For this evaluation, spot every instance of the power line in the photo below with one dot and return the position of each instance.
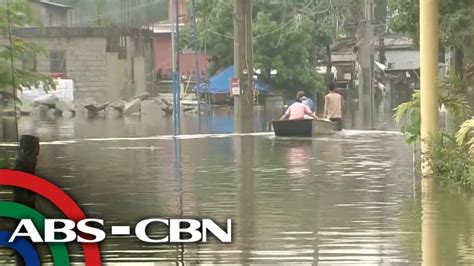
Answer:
(284, 24)
(282, 18)
(111, 12)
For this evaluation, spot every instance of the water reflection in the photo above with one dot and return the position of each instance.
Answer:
(298, 157)
(219, 120)
(308, 200)
(346, 198)
(245, 162)
(429, 235)
(442, 222)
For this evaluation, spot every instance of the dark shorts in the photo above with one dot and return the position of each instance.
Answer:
(338, 123)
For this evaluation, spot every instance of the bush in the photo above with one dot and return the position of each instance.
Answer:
(452, 155)
(452, 163)
(407, 115)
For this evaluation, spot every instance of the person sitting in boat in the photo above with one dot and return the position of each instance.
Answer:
(309, 103)
(298, 110)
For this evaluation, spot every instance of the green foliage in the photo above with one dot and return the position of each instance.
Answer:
(407, 115)
(455, 20)
(453, 98)
(451, 161)
(285, 36)
(452, 156)
(20, 15)
(465, 136)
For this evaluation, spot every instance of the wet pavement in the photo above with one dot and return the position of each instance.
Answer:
(351, 198)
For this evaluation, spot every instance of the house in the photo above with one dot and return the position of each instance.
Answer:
(163, 48)
(343, 59)
(345, 67)
(402, 74)
(105, 63)
(54, 14)
(163, 55)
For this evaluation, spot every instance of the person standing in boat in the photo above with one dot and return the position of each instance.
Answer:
(298, 110)
(333, 106)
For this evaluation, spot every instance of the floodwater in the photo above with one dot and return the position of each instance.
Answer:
(351, 198)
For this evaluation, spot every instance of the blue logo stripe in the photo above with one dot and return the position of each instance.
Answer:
(22, 246)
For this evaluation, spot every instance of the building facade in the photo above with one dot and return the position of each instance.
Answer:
(163, 48)
(54, 14)
(105, 63)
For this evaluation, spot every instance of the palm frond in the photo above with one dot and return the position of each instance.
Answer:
(465, 135)
(406, 109)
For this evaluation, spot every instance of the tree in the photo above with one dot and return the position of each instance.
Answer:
(455, 28)
(21, 52)
(287, 38)
(455, 23)
(288, 52)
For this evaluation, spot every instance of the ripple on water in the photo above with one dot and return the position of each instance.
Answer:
(344, 199)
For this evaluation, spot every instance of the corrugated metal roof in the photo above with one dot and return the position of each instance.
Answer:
(54, 4)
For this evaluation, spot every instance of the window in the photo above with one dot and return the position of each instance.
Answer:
(57, 60)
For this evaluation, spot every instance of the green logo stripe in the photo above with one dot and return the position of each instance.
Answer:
(18, 211)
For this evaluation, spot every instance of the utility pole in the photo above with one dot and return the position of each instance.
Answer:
(429, 99)
(175, 64)
(172, 29)
(380, 15)
(366, 61)
(196, 57)
(243, 65)
(469, 92)
(236, 67)
(429, 102)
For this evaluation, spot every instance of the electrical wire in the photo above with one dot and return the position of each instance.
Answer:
(282, 18)
(95, 17)
(302, 10)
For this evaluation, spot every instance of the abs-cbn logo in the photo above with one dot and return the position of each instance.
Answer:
(34, 227)
(66, 231)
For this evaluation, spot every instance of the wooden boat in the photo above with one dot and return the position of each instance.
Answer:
(302, 128)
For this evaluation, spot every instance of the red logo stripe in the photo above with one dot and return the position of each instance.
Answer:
(54, 194)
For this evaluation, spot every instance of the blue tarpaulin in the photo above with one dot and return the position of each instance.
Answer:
(220, 83)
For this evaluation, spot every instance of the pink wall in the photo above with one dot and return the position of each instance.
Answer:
(187, 59)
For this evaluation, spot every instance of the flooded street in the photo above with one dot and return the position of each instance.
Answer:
(348, 198)
(147, 129)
